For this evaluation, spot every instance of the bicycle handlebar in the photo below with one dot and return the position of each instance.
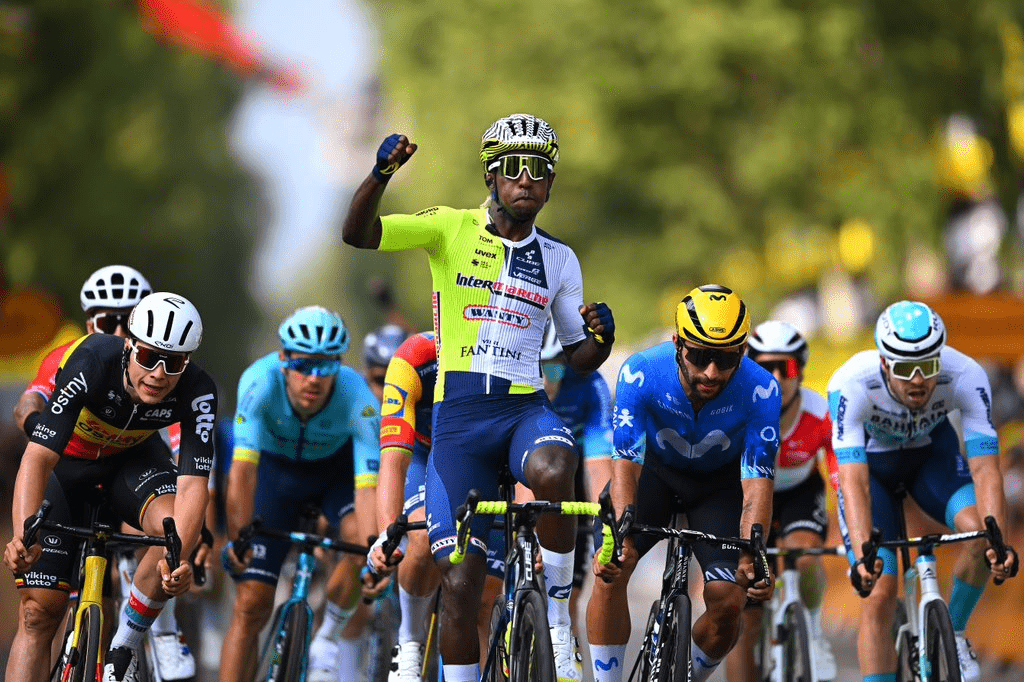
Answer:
(869, 553)
(393, 538)
(35, 522)
(241, 545)
(757, 549)
(995, 538)
(173, 554)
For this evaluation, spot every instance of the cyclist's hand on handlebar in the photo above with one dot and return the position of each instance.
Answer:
(230, 561)
(863, 580)
(611, 571)
(757, 592)
(375, 561)
(394, 151)
(177, 581)
(374, 586)
(1007, 569)
(18, 558)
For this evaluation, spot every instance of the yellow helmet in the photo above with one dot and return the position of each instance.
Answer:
(713, 315)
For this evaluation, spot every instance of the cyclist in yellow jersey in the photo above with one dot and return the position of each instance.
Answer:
(496, 277)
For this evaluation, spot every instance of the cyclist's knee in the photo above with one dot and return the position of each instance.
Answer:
(725, 601)
(254, 601)
(462, 588)
(880, 605)
(41, 614)
(552, 468)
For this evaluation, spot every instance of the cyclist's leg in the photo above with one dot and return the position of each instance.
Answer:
(875, 650)
(608, 621)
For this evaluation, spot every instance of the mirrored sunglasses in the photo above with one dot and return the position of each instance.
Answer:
(317, 367)
(107, 323)
(788, 368)
(148, 358)
(905, 369)
(512, 166)
(702, 357)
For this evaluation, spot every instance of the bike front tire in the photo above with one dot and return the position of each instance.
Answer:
(796, 646)
(532, 657)
(904, 646)
(941, 664)
(82, 663)
(293, 647)
(675, 650)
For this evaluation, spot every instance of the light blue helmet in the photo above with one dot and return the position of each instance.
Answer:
(909, 330)
(314, 330)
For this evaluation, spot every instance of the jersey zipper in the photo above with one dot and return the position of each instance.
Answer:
(124, 428)
(302, 440)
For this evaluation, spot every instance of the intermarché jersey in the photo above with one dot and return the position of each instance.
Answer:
(491, 298)
(654, 419)
(91, 415)
(808, 437)
(46, 380)
(266, 424)
(408, 403)
(867, 418)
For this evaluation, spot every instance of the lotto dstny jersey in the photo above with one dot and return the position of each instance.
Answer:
(408, 404)
(491, 298)
(654, 419)
(867, 418)
(809, 437)
(585, 405)
(90, 414)
(266, 425)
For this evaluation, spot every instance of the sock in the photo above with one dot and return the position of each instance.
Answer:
(349, 651)
(608, 661)
(137, 616)
(881, 677)
(335, 620)
(962, 602)
(462, 673)
(166, 622)
(415, 611)
(702, 664)
(558, 577)
(815, 624)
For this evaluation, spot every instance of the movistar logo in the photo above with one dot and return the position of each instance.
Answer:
(629, 377)
(601, 665)
(765, 393)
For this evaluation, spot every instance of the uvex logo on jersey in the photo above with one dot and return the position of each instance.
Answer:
(67, 392)
(502, 289)
(490, 313)
(203, 407)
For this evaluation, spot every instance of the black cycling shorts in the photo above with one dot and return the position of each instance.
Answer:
(800, 508)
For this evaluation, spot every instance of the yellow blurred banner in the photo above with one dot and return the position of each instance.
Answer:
(31, 324)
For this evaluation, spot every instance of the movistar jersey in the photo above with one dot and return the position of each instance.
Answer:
(654, 418)
(867, 418)
(266, 424)
(491, 298)
(585, 405)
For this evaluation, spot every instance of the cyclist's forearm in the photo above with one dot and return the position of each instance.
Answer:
(599, 472)
(190, 510)
(241, 491)
(624, 484)
(588, 355)
(855, 485)
(362, 223)
(394, 464)
(366, 513)
(29, 403)
(30, 485)
(988, 488)
(757, 504)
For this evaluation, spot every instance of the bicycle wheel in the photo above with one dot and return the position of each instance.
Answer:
(533, 659)
(496, 635)
(905, 646)
(291, 647)
(796, 646)
(675, 649)
(763, 655)
(942, 663)
(649, 647)
(81, 663)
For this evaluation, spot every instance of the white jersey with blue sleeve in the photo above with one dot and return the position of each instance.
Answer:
(267, 425)
(654, 420)
(867, 418)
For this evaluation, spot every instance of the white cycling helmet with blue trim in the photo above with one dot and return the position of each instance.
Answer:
(774, 336)
(909, 330)
(314, 330)
(380, 345)
(114, 286)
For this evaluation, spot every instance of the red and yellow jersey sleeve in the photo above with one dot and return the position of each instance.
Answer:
(403, 389)
(45, 380)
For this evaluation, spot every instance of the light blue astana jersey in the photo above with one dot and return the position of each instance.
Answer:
(654, 419)
(266, 424)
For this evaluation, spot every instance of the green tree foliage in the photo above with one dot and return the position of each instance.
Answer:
(115, 147)
(695, 132)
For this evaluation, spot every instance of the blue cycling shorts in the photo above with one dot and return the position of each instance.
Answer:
(936, 476)
(284, 488)
(472, 439)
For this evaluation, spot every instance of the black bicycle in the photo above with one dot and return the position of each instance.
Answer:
(520, 647)
(665, 653)
(81, 656)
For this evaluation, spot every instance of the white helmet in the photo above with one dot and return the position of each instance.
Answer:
(909, 330)
(551, 348)
(167, 321)
(114, 286)
(778, 337)
(518, 133)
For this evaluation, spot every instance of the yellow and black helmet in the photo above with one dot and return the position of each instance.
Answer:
(713, 315)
